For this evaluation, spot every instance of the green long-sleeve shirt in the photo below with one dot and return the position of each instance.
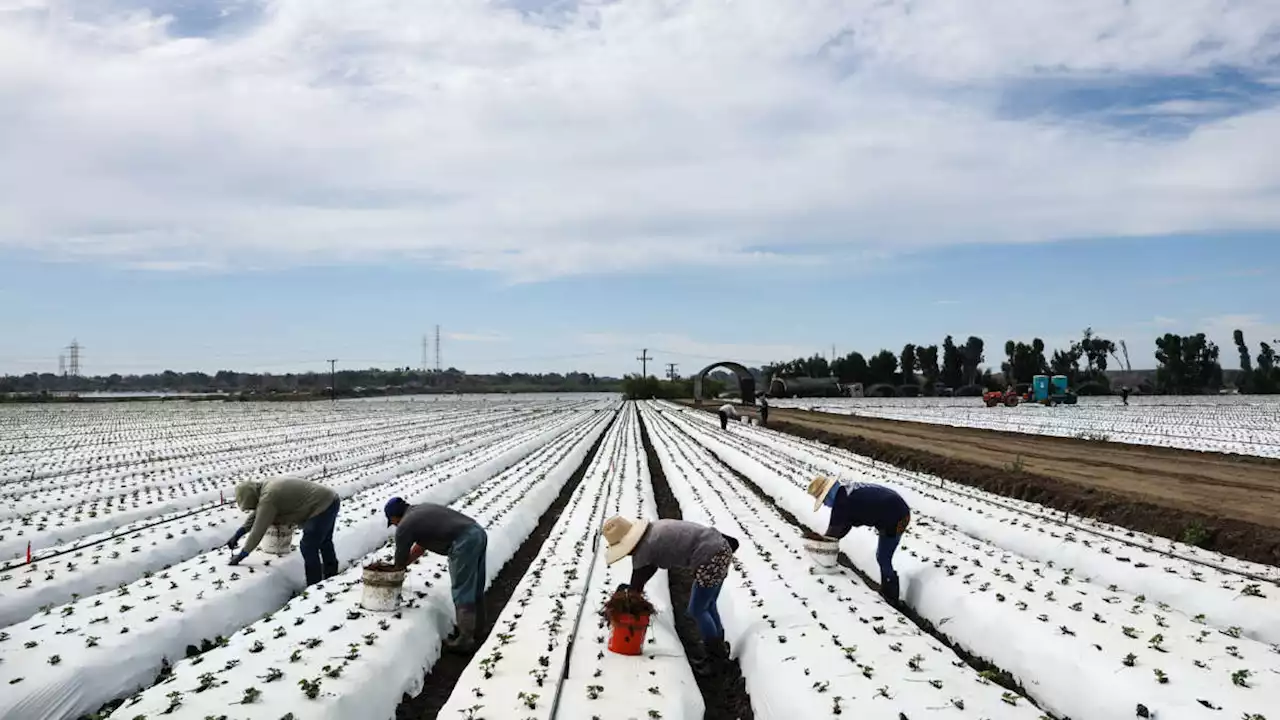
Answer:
(286, 501)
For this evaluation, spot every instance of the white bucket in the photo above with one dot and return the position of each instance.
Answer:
(278, 540)
(825, 556)
(381, 589)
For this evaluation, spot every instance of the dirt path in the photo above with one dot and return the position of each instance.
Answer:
(1228, 503)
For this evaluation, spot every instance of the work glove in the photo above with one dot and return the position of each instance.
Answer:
(235, 559)
(622, 588)
(233, 543)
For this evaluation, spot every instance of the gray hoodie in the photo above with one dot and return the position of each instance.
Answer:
(286, 501)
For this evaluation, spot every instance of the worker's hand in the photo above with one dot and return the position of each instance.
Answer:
(235, 559)
(622, 588)
(233, 543)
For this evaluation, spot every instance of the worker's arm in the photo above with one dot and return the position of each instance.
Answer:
(640, 576)
(841, 515)
(263, 517)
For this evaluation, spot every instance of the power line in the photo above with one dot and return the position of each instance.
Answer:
(644, 362)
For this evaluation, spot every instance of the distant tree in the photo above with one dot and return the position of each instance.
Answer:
(851, 368)
(971, 358)
(1024, 361)
(927, 364)
(1266, 377)
(952, 364)
(1187, 364)
(1096, 350)
(882, 367)
(1246, 381)
(908, 364)
(1067, 363)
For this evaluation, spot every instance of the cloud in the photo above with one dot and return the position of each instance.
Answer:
(608, 136)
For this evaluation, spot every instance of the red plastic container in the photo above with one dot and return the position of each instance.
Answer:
(627, 634)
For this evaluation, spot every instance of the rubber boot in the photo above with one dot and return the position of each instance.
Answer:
(889, 590)
(330, 569)
(464, 640)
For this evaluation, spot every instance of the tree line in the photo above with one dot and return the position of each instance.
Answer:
(1185, 364)
(346, 383)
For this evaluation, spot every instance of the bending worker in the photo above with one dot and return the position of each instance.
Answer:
(727, 411)
(667, 544)
(291, 501)
(445, 531)
(866, 505)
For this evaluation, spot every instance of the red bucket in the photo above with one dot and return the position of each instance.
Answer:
(627, 634)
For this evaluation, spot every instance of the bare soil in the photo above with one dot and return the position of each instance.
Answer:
(1226, 503)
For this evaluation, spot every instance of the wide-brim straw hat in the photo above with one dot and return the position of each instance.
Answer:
(622, 535)
(818, 488)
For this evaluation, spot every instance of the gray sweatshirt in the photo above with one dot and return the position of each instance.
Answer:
(286, 501)
(434, 527)
(676, 543)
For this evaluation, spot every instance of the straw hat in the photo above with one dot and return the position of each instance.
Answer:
(819, 488)
(622, 535)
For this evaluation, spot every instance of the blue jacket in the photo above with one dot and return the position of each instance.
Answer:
(863, 505)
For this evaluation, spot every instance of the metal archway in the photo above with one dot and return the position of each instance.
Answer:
(746, 381)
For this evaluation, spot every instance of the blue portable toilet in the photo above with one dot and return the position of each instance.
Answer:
(1040, 388)
(1059, 384)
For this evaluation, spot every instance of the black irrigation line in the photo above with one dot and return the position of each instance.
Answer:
(444, 675)
(724, 696)
(984, 667)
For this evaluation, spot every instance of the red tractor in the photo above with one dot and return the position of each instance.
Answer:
(1008, 398)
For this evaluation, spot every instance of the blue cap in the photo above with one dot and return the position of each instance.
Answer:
(395, 508)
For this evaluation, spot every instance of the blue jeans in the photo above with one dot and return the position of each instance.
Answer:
(317, 545)
(467, 566)
(702, 606)
(884, 556)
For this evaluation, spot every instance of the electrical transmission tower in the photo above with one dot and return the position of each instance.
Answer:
(671, 371)
(74, 350)
(333, 387)
(644, 362)
(62, 365)
(437, 348)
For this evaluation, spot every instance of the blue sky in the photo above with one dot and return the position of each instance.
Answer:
(261, 186)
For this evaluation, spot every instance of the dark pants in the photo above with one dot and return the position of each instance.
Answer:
(724, 420)
(318, 556)
(885, 547)
(467, 570)
(764, 416)
(702, 607)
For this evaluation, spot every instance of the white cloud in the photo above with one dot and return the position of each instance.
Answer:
(623, 135)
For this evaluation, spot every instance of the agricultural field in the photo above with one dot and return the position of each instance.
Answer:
(127, 608)
(1239, 424)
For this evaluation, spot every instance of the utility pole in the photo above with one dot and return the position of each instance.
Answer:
(644, 363)
(671, 371)
(333, 388)
(424, 354)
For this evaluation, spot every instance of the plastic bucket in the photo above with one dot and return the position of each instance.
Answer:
(627, 634)
(381, 588)
(824, 554)
(278, 540)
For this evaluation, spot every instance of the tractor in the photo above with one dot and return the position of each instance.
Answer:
(1007, 398)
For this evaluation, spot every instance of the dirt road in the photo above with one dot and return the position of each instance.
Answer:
(1228, 503)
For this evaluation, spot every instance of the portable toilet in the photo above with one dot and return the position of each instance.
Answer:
(1059, 384)
(1040, 388)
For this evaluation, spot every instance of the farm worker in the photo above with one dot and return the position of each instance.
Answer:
(727, 411)
(866, 504)
(1124, 394)
(764, 410)
(291, 501)
(670, 544)
(445, 531)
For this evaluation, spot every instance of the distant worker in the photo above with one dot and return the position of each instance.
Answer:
(1124, 394)
(667, 544)
(866, 505)
(445, 531)
(764, 410)
(292, 502)
(727, 411)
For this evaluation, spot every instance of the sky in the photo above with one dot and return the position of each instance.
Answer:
(261, 186)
